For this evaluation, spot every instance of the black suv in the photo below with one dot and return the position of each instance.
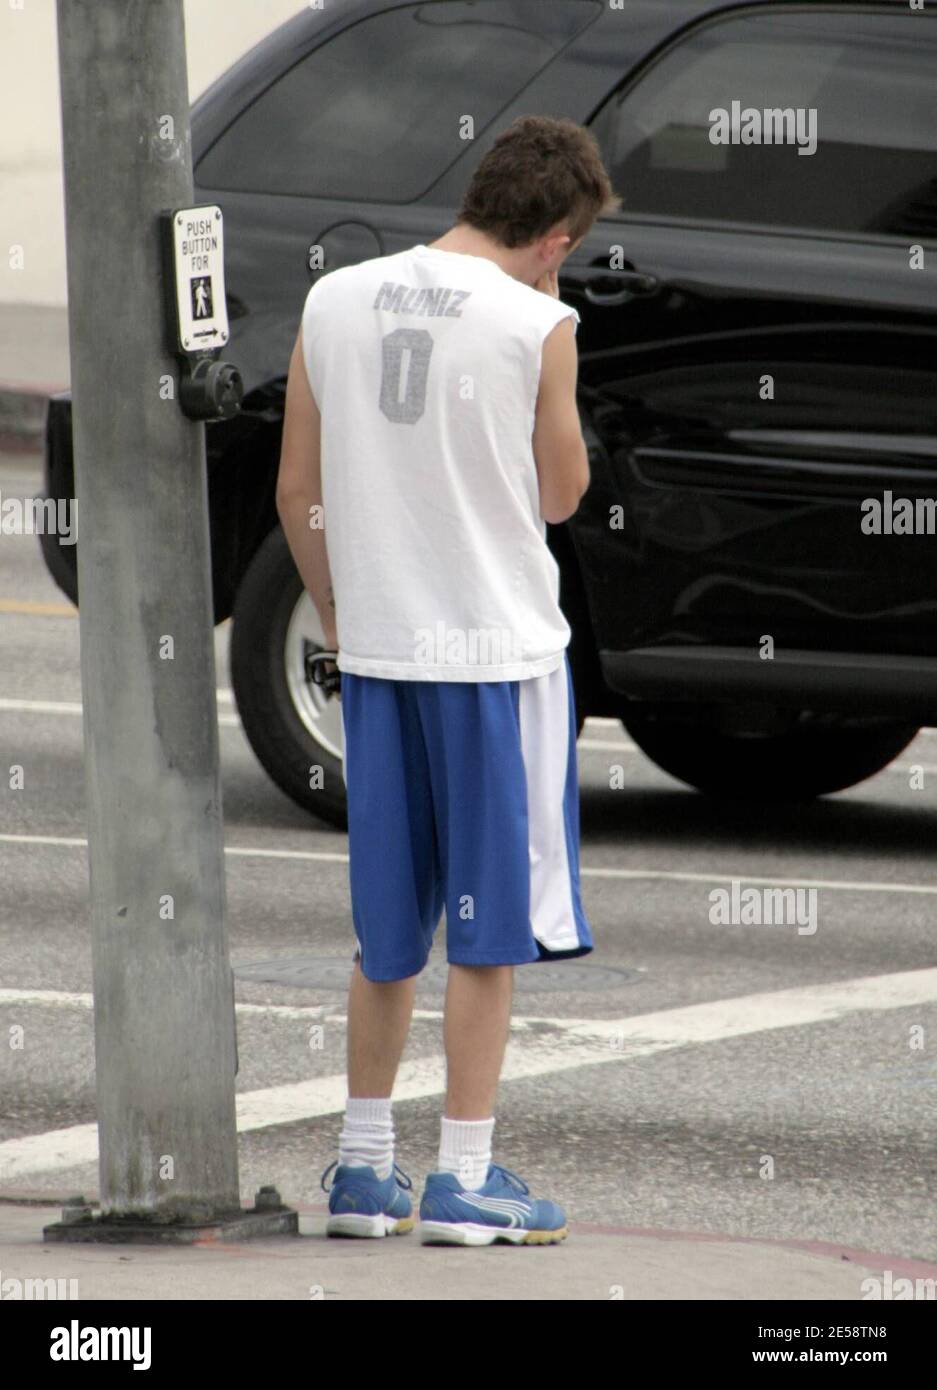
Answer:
(758, 355)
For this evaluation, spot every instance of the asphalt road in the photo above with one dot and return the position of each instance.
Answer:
(806, 1114)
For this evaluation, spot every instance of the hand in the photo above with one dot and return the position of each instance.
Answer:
(323, 672)
(329, 644)
(548, 284)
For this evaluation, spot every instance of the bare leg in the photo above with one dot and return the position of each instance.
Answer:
(475, 1030)
(378, 1023)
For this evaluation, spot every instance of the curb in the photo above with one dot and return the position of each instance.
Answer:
(902, 1266)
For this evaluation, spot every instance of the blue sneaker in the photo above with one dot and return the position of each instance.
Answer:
(362, 1204)
(453, 1215)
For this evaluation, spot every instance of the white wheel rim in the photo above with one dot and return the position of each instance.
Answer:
(321, 714)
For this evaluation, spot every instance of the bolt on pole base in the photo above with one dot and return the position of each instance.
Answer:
(268, 1217)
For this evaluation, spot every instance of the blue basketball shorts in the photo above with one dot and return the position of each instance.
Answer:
(462, 795)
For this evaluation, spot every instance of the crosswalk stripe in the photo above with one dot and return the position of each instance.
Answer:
(584, 1042)
(724, 877)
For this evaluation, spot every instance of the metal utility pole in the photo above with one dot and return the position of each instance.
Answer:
(163, 997)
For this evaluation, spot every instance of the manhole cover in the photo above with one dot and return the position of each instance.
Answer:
(334, 972)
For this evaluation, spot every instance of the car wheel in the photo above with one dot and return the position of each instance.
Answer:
(294, 728)
(797, 757)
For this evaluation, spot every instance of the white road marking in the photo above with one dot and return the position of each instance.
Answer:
(322, 1013)
(54, 998)
(69, 841)
(62, 999)
(771, 880)
(233, 721)
(584, 1042)
(323, 856)
(41, 706)
(314, 856)
(225, 696)
(73, 707)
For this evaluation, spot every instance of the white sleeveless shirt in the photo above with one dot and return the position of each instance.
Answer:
(425, 367)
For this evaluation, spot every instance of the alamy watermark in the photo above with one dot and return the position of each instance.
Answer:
(77, 1343)
(764, 907)
(901, 516)
(889, 1287)
(38, 516)
(746, 125)
(37, 1290)
(473, 646)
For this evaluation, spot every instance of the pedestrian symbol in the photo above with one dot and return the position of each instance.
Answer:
(201, 310)
(201, 297)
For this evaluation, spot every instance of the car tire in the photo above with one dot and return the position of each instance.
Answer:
(294, 728)
(814, 755)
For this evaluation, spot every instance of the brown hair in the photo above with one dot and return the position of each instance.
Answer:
(538, 172)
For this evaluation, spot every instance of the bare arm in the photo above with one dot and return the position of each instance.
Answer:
(299, 489)
(559, 448)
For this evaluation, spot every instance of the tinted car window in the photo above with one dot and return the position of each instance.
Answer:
(871, 80)
(375, 112)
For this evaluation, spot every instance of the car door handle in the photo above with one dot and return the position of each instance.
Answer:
(608, 287)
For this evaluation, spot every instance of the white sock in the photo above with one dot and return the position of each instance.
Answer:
(465, 1150)
(368, 1135)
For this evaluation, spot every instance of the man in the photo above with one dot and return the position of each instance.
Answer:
(431, 413)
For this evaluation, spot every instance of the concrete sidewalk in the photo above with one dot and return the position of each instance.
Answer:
(595, 1262)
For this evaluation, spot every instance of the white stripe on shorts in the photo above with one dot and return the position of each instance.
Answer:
(544, 720)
